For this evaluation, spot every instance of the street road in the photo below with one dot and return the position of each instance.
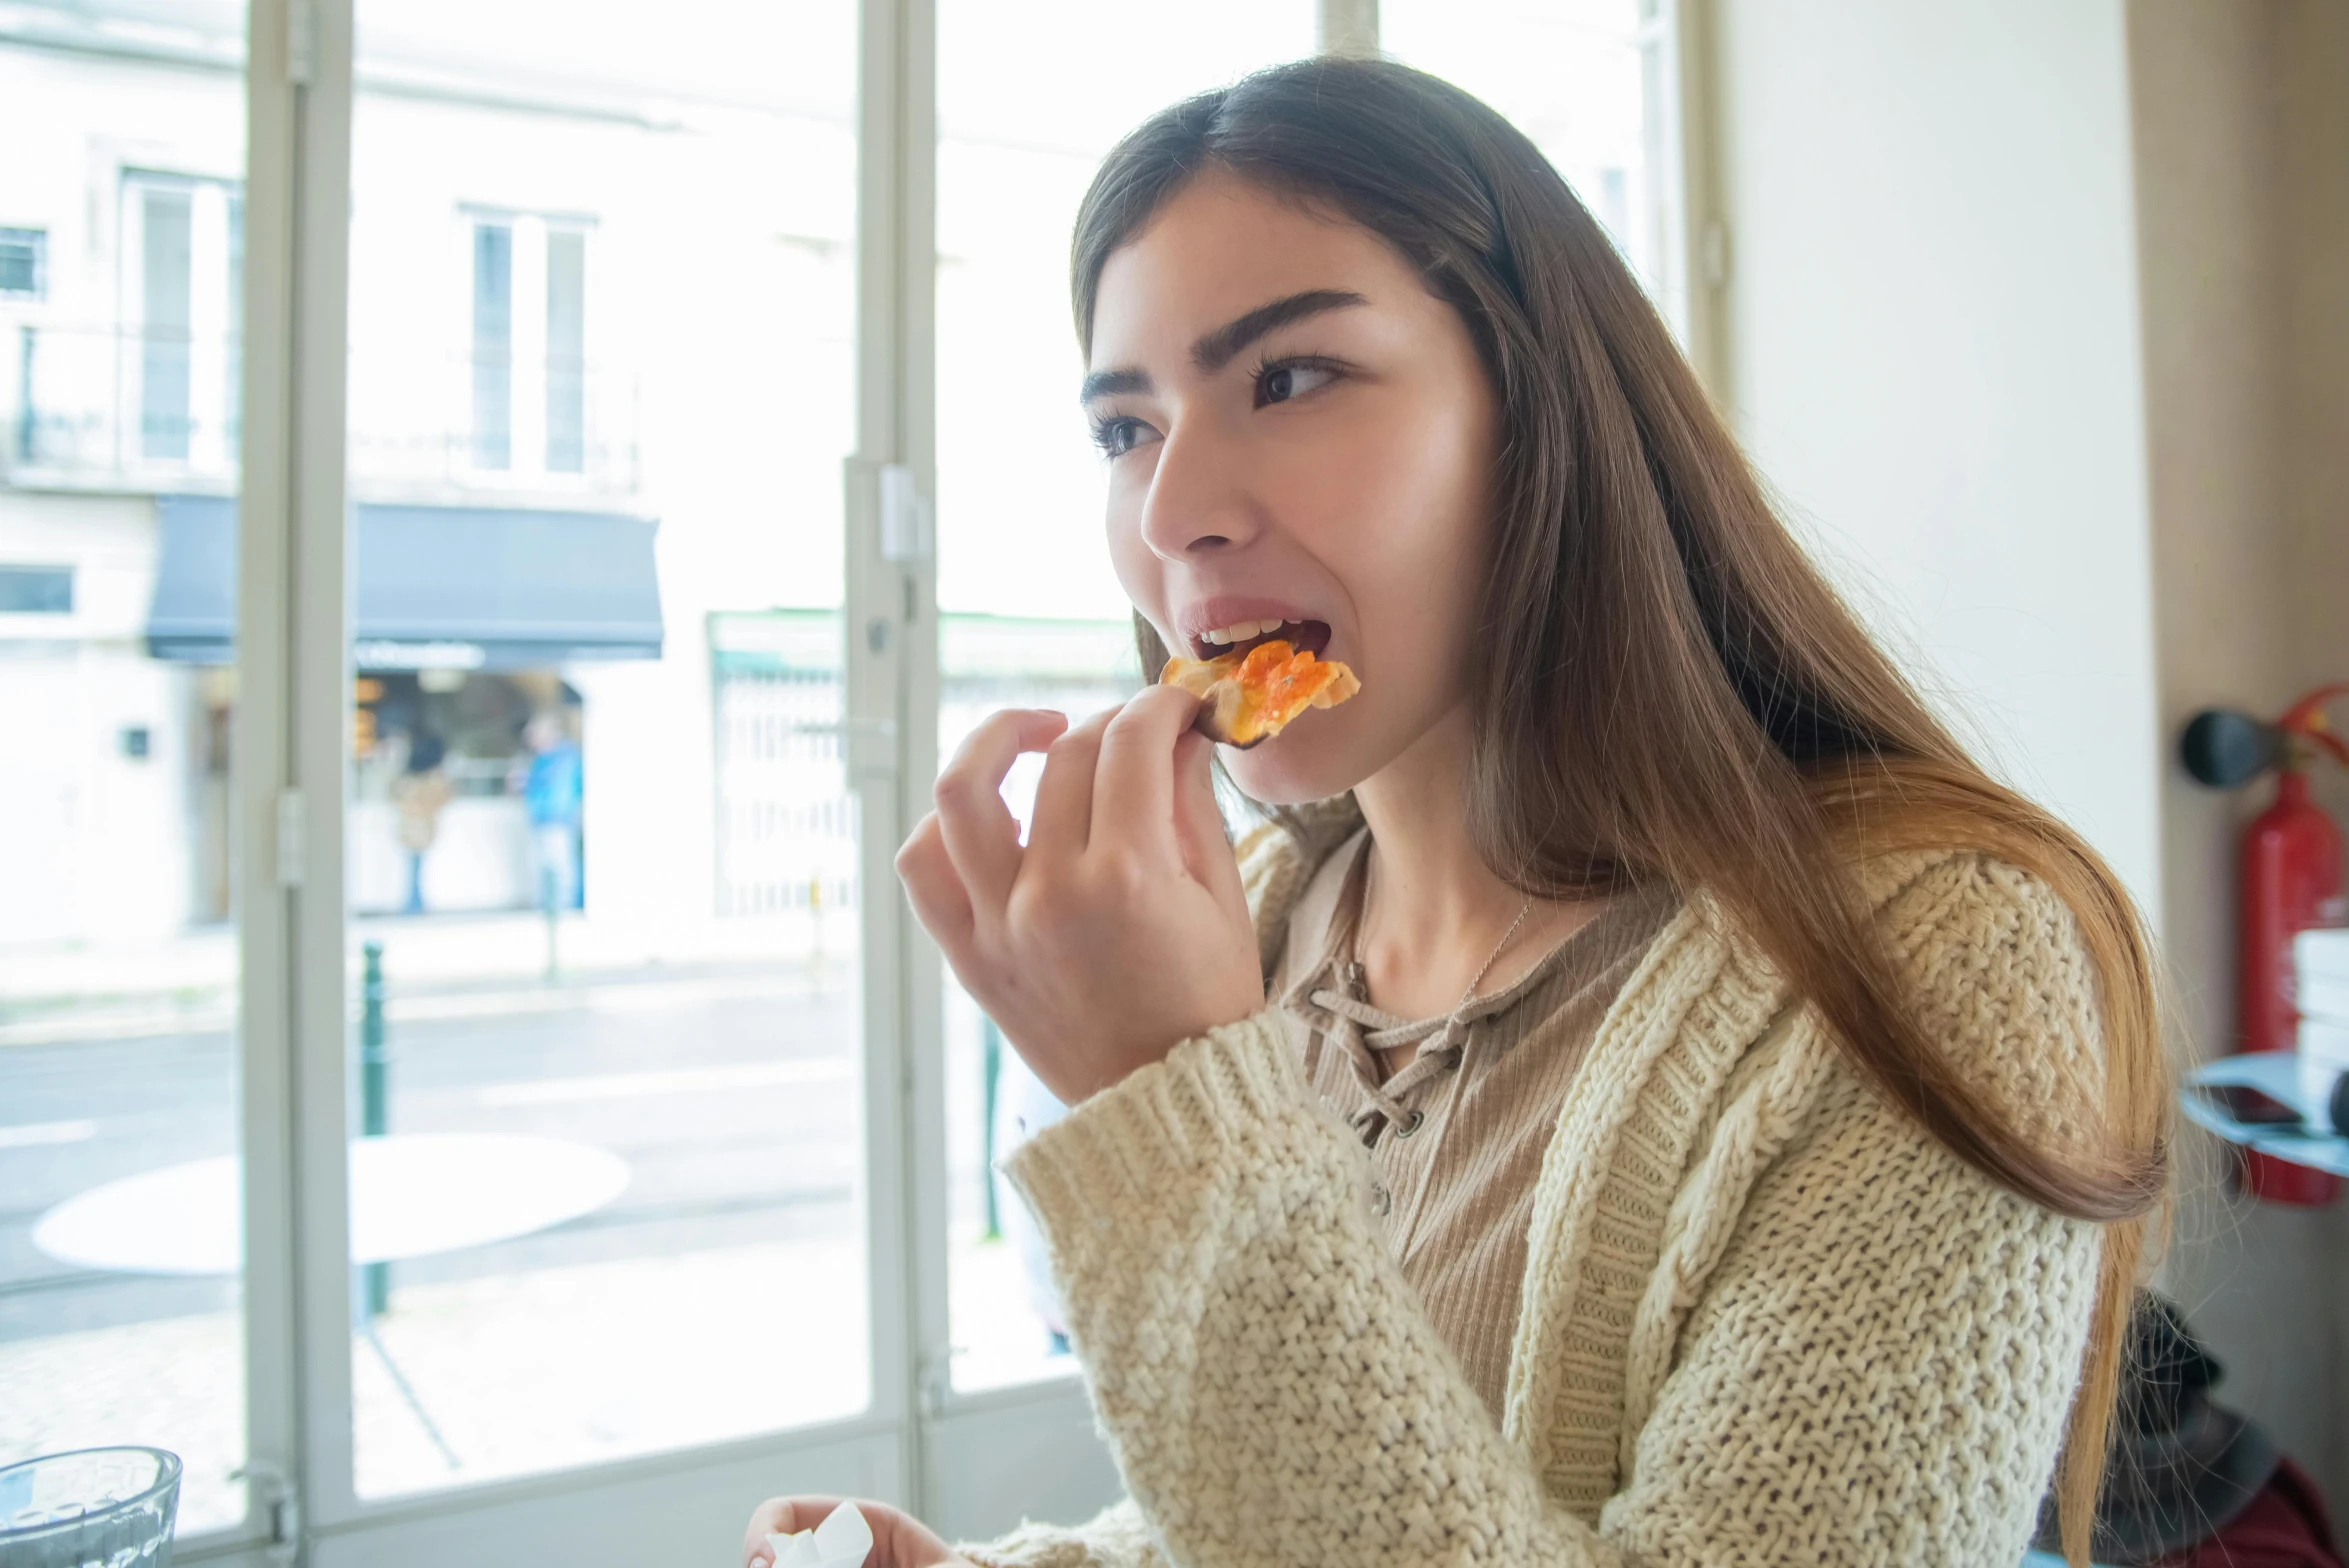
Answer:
(732, 1094)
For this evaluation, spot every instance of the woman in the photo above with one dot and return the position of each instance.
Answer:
(1647, 1096)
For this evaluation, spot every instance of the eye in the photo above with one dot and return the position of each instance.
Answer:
(1117, 434)
(1290, 379)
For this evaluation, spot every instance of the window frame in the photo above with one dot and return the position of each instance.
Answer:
(45, 589)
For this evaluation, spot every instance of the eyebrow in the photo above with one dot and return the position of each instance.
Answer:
(1218, 348)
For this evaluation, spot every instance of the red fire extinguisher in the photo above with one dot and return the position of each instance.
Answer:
(2291, 880)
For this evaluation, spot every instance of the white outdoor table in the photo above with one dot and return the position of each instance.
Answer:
(411, 1195)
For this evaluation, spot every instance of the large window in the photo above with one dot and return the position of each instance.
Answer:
(529, 343)
(182, 277)
(465, 1067)
(1590, 82)
(1030, 97)
(1033, 616)
(551, 707)
(125, 1314)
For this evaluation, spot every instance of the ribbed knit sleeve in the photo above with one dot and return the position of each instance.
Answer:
(1117, 1537)
(1846, 1347)
(1265, 1377)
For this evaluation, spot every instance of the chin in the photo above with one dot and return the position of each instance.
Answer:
(1296, 767)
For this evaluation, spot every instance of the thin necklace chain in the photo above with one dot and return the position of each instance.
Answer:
(1490, 959)
(1452, 1024)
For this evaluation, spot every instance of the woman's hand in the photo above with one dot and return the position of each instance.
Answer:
(1120, 930)
(899, 1539)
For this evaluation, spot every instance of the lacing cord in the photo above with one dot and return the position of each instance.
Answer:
(1363, 1030)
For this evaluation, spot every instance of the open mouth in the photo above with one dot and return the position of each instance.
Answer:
(1303, 636)
(1259, 676)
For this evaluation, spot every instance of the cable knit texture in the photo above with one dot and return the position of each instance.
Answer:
(1765, 1318)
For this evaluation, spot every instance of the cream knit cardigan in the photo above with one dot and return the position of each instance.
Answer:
(1765, 1318)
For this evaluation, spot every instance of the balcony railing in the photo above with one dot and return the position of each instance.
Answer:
(134, 410)
(114, 407)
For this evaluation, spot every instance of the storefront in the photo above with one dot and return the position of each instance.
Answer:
(468, 740)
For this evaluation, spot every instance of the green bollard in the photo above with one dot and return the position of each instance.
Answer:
(376, 1277)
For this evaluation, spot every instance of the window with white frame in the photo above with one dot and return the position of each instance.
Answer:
(24, 263)
(527, 360)
(182, 260)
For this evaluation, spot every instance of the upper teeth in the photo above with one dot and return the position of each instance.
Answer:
(1241, 631)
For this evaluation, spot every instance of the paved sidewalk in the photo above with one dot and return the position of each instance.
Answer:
(50, 993)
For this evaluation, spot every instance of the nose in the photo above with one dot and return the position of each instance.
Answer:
(1200, 501)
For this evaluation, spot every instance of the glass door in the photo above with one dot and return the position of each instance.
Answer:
(1030, 96)
(599, 930)
(128, 1312)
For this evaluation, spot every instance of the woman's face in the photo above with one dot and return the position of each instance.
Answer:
(1297, 432)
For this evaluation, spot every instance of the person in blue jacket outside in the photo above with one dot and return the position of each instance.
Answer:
(552, 792)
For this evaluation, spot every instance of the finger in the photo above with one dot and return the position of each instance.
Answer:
(932, 886)
(1133, 791)
(982, 839)
(1064, 795)
(1207, 845)
(904, 1541)
(763, 1519)
(781, 1516)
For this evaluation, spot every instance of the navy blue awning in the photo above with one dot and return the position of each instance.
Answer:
(450, 587)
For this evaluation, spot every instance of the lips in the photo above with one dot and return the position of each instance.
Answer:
(1229, 623)
(1306, 636)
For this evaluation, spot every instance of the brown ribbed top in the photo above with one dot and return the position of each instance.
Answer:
(1456, 1137)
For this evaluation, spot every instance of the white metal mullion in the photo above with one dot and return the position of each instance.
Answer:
(1699, 241)
(1348, 27)
(320, 701)
(886, 645)
(924, 1001)
(258, 753)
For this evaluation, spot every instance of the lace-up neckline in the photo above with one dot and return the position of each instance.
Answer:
(1453, 1141)
(1336, 991)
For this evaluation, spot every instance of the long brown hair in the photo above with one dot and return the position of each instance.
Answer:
(1673, 689)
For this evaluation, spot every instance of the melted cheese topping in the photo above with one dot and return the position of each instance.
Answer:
(1249, 697)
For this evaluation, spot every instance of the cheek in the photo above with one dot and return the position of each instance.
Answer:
(1402, 518)
(1139, 571)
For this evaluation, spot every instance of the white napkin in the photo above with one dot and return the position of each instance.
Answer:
(841, 1541)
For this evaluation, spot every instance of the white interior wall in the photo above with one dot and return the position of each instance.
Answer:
(2030, 338)
(1932, 353)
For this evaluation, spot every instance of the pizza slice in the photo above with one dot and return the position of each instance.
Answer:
(1248, 697)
